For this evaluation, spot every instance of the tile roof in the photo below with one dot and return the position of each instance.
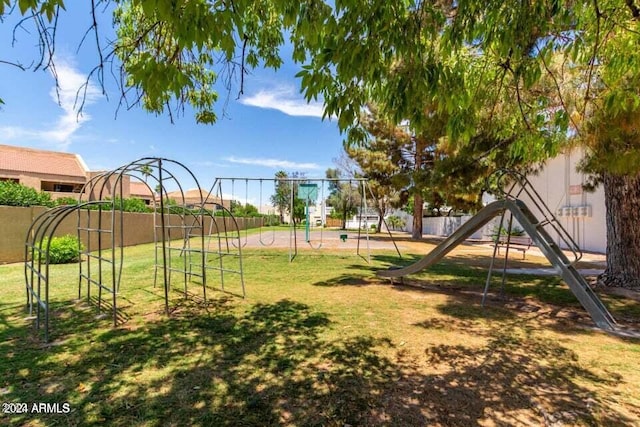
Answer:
(192, 195)
(30, 160)
(137, 188)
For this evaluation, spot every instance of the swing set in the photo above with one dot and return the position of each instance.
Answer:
(307, 190)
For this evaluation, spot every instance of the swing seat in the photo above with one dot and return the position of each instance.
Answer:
(343, 237)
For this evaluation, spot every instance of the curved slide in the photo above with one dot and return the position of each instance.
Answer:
(534, 228)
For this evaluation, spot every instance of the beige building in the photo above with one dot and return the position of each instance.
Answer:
(560, 186)
(580, 212)
(140, 190)
(194, 197)
(59, 174)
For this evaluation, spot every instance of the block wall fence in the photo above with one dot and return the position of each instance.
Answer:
(138, 228)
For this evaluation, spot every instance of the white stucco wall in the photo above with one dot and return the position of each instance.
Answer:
(560, 186)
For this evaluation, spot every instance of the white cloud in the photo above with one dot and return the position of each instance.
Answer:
(286, 100)
(69, 97)
(274, 163)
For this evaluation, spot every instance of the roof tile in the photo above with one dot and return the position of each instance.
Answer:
(30, 160)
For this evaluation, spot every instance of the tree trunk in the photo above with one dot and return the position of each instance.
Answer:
(418, 201)
(382, 210)
(344, 217)
(622, 200)
(416, 233)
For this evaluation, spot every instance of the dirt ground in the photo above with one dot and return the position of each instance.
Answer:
(331, 239)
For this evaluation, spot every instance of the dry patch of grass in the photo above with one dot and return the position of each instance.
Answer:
(321, 341)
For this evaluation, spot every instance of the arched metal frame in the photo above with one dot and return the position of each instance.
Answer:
(180, 232)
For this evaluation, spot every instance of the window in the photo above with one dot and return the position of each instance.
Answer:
(59, 187)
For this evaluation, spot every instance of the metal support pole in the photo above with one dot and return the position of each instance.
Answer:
(366, 221)
(293, 244)
(506, 255)
(493, 258)
(306, 225)
(164, 244)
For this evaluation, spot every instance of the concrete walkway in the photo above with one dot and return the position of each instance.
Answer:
(552, 271)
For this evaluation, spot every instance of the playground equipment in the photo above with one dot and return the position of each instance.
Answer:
(308, 189)
(246, 196)
(309, 193)
(539, 230)
(269, 223)
(182, 234)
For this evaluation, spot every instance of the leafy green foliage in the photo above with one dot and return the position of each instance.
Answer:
(507, 80)
(131, 205)
(247, 210)
(502, 231)
(281, 198)
(63, 250)
(286, 184)
(395, 222)
(528, 69)
(174, 52)
(15, 194)
(70, 201)
(344, 196)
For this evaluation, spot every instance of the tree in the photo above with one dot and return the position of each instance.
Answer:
(299, 205)
(286, 188)
(281, 199)
(15, 194)
(170, 54)
(146, 172)
(404, 168)
(243, 211)
(343, 197)
(395, 222)
(380, 160)
(509, 46)
(457, 56)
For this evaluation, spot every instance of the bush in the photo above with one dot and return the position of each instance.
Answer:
(497, 231)
(395, 222)
(63, 249)
(131, 205)
(15, 194)
(70, 201)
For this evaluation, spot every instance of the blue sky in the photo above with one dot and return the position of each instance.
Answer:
(269, 128)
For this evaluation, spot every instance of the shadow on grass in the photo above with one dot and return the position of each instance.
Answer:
(469, 272)
(466, 276)
(515, 380)
(268, 364)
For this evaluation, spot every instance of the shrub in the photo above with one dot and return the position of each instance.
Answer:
(66, 201)
(502, 231)
(131, 205)
(270, 220)
(63, 250)
(15, 194)
(395, 222)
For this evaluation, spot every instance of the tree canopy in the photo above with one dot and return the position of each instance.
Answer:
(512, 78)
(406, 56)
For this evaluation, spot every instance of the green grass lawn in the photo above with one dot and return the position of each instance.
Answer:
(320, 341)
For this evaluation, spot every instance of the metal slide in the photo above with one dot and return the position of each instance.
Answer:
(474, 224)
(535, 229)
